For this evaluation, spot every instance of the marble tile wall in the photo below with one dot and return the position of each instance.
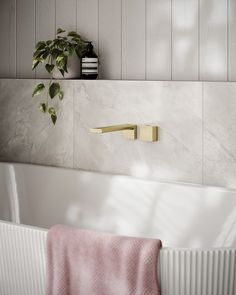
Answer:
(175, 106)
(197, 135)
(220, 134)
(27, 135)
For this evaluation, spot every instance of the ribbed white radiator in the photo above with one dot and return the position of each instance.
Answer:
(181, 271)
(198, 272)
(22, 260)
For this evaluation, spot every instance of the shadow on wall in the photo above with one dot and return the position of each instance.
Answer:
(197, 52)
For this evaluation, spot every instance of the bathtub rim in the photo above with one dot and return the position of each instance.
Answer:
(179, 249)
(177, 183)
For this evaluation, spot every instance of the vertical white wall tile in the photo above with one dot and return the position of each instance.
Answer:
(12, 39)
(158, 40)
(185, 40)
(213, 40)
(66, 14)
(87, 20)
(4, 31)
(110, 39)
(167, 46)
(45, 27)
(232, 40)
(133, 39)
(25, 17)
(8, 37)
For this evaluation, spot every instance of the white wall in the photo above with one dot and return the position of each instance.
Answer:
(136, 39)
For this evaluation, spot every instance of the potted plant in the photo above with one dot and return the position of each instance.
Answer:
(62, 59)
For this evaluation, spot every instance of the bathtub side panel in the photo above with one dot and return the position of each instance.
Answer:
(180, 215)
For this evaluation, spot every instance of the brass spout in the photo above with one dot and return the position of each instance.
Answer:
(114, 128)
(129, 130)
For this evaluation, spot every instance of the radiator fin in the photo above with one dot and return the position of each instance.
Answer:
(180, 271)
(22, 260)
(198, 272)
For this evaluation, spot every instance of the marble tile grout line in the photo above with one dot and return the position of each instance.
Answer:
(145, 62)
(76, 15)
(203, 134)
(227, 52)
(121, 39)
(35, 71)
(73, 130)
(98, 28)
(171, 41)
(55, 17)
(199, 40)
(16, 39)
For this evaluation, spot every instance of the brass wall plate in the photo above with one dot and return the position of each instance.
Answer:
(130, 134)
(148, 133)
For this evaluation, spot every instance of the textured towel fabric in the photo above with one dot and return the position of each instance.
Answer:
(83, 262)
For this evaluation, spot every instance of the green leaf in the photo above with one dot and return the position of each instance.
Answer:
(61, 38)
(79, 53)
(38, 89)
(71, 49)
(65, 69)
(77, 39)
(49, 42)
(52, 111)
(54, 89)
(59, 31)
(49, 68)
(62, 44)
(72, 34)
(35, 63)
(62, 72)
(54, 119)
(56, 41)
(64, 64)
(43, 107)
(37, 53)
(61, 95)
(55, 53)
(60, 58)
(61, 62)
(40, 45)
(45, 55)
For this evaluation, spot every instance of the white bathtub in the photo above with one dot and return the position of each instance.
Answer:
(196, 224)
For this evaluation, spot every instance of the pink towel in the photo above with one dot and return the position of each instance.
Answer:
(83, 262)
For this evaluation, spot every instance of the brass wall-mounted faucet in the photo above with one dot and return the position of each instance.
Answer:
(129, 131)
